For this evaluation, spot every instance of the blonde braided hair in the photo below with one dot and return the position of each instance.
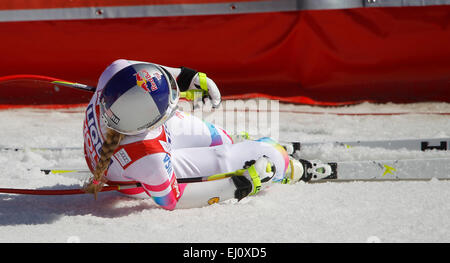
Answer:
(97, 181)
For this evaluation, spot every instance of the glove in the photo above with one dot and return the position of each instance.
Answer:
(256, 175)
(191, 82)
(201, 81)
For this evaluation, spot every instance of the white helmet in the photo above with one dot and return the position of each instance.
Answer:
(138, 97)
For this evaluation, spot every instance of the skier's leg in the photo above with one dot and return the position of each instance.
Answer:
(196, 162)
(206, 161)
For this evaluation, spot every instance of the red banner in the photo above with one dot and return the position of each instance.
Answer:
(314, 57)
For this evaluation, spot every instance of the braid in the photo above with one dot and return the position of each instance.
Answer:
(110, 144)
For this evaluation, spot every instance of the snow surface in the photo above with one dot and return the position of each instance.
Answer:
(327, 212)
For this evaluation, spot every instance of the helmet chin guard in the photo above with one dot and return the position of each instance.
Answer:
(137, 98)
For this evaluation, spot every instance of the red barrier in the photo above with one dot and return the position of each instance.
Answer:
(312, 57)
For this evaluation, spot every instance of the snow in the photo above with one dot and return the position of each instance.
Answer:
(400, 211)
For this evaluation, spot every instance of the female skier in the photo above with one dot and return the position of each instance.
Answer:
(133, 133)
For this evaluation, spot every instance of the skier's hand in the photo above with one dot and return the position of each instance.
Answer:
(196, 85)
(208, 86)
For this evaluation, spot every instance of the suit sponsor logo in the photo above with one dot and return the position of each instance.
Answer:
(123, 157)
(168, 164)
(92, 135)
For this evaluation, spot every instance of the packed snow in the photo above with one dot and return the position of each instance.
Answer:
(397, 211)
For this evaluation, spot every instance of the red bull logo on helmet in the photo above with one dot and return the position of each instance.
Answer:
(145, 80)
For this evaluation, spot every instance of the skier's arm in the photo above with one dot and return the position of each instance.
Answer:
(157, 177)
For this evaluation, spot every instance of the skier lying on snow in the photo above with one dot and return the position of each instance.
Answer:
(133, 132)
